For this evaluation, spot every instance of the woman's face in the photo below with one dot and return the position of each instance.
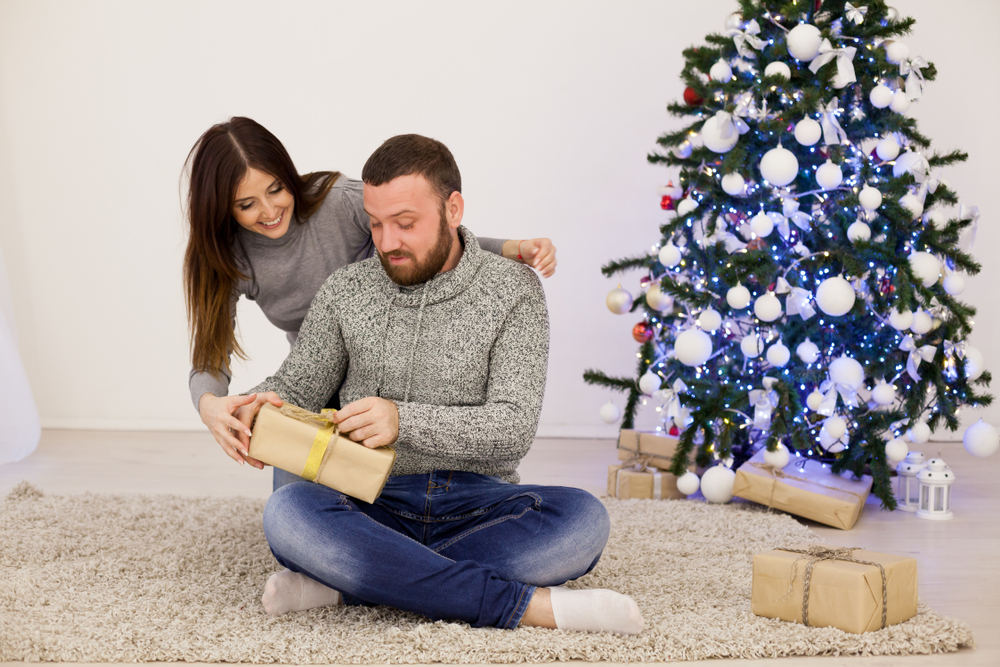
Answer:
(263, 205)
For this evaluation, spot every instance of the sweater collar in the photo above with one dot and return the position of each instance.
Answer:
(443, 286)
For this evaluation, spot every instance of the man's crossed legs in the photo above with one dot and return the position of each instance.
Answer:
(446, 545)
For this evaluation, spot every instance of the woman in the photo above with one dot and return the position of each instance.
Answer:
(260, 230)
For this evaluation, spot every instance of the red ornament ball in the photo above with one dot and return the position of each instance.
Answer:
(692, 98)
(674, 431)
(642, 332)
(667, 203)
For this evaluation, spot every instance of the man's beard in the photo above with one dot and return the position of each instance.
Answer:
(416, 272)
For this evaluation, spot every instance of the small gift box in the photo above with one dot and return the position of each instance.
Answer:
(657, 449)
(851, 589)
(309, 445)
(805, 488)
(637, 480)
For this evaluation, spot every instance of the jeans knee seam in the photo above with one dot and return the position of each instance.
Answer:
(476, 529)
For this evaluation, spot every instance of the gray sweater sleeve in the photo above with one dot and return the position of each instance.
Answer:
(504, 427)
(315, 367)
(494, 246)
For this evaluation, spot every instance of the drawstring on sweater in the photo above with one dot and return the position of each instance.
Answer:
(416, 338)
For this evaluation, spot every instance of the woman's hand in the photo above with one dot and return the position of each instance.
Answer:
(232, 434)
(539, 254)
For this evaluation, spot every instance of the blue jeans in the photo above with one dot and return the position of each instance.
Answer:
(447, 545)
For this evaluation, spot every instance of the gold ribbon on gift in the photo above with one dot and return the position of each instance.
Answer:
(816, 553)
(321, 443)
(779, 473)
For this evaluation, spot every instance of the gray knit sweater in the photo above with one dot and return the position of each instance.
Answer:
(464, 357)
(286, 273)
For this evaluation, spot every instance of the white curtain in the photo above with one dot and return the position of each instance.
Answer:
(19, 427)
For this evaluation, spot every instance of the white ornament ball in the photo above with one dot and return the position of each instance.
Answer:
(693, 347)
(709, 319)
(649, 383)
(835, 296)
(767, 307)
(619, 301)
(814, 400)
(936, 218)
(870, 198)
(808, 131)
(919, 433)
(734, 21)
(685, 206)
(912, 203)
(779, 166)
(826, 440)
(717, 484)
(751, 346)
(981, 439)
(891, 14)
(845, 370)
(900, 320)
(610, 413)
(807, 351)
(884, 394)
(683, 150)
(761, 224)
(738, 297)
(657, 300)
(669, 255)
(954, 284)
(897, 52)
(975, 363)
(926, 267)
(888, 148)
(859, 231)
(909, 162)
(733, 184)
(829, 175)
(778, 355)
(778, 458)
(838, 446)
(922, 323)
(778, 68)
(896, 450)
(721, 72)
(900, 102)
(714, 137)
(836, 426)
(804, 41)
(688, 483)
(880, 97)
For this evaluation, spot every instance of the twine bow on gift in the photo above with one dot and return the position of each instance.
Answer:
(640, 463)
(845, 66)
(816, 553)
(916, 355)
(744, 39)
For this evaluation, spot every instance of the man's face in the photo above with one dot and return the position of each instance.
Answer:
(413, 233)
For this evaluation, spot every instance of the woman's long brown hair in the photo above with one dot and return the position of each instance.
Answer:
(219, 161)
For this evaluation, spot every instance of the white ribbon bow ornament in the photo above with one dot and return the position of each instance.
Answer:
(833, 133)
(916, 355)
(970, 213)
(745, 39)
(764, 401)
(845, 67)
(914, 77)
(856, 14)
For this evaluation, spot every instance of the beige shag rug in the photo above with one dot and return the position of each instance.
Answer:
(105, 578)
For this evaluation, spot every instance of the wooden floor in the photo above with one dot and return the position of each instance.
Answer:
(959, 560)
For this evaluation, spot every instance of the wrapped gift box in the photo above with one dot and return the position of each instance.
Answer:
(812, 493)
(308, 445)
(656, 448)
(842, 593)
(625, 481)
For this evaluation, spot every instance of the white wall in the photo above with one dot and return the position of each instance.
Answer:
(550, 108)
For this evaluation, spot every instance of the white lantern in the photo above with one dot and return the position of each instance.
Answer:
(907, 498)
(935, 482)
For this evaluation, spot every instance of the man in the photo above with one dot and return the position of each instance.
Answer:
(442, 349)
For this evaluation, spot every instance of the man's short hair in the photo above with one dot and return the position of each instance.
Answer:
(407, 154)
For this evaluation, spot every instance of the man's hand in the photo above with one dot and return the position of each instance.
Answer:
(245, 414)
(539, 254)
(372, 421)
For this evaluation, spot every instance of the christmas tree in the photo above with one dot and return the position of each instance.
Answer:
(803, 296)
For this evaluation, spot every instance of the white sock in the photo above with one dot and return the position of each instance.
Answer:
(595, 610)
(287, 591)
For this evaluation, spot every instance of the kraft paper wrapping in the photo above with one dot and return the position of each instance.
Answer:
(624, 481)
(284, 437)
(656, 448)
(842, 594)
(815, 493)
